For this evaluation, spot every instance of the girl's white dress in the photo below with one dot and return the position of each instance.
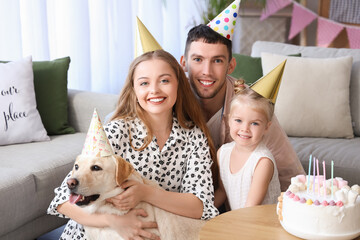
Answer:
(237, 185)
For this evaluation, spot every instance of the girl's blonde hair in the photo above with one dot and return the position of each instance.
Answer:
(248, 97)
(186, 108)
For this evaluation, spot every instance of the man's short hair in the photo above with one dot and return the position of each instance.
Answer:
(207, 35)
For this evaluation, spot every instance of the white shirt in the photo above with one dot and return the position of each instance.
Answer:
(237, 185)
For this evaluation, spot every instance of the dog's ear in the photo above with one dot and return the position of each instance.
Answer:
(123, 169)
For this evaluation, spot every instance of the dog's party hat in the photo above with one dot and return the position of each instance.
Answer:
(96, 142)
(145, 42)
(268, 86)
(224, 23)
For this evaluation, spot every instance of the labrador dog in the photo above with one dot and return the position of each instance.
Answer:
(94, 179)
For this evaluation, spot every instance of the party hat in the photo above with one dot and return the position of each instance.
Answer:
(268, 86)
(145, 42)
(96, 142)
(224, 23)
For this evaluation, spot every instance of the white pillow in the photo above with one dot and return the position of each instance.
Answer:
(313, 99)
(20, 121)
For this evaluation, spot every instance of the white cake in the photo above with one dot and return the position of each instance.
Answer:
(312, 214)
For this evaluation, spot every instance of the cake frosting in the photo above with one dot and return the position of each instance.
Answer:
(324, 210)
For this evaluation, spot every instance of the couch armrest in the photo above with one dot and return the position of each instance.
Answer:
(81, 106)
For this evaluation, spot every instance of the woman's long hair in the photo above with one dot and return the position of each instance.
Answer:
(186, 108)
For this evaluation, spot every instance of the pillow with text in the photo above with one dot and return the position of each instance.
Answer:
(20, 120)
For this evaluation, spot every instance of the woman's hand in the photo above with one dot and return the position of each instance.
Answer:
(129, 226)
(134, 193)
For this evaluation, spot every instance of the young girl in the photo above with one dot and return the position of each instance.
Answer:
(156, 127)
(248, 173)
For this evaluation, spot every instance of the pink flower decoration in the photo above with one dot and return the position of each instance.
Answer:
(342, 183)
(302, 178)
(339, 204)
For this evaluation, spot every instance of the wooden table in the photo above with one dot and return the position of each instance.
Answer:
(258, 222)
(253, 223)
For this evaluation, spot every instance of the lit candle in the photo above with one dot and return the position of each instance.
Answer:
(314, 176)
(332, 179)
(308, 180)
(318, 176)
(324, 182)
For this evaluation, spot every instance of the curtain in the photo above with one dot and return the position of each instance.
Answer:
(98, 35)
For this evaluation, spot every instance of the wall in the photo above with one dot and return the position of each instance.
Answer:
(249, 28)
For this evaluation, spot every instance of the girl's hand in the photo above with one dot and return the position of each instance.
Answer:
(134, 193)
(129, 226)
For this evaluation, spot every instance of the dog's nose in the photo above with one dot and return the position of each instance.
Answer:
(72, 183)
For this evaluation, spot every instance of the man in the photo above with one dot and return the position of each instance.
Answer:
(208, 61)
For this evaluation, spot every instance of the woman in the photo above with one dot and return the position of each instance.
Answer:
(158, 127)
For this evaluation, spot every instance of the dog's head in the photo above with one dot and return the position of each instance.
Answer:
(93, 177)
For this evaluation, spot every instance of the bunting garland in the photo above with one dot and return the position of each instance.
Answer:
(327, 30)
(353, 36)
(272, 7)
(301, 18)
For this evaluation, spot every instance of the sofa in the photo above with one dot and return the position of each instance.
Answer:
(343, 149)
(30, 172)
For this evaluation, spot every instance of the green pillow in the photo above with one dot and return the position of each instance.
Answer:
(50, 81)
(249, 68)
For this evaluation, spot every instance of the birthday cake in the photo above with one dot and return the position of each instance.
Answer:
(316, 208)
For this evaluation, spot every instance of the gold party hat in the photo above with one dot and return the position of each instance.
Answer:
(96, 142)
(268, 86)
(224, 23)
(144, 41)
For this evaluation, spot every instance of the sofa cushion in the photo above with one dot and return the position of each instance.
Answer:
(20, 120)
(247, 68)
(316, 91)
(82, 104)
(17, 191)
(344, 153)
(50, 80)
(36, 229)
(318, 52)
(49, 162)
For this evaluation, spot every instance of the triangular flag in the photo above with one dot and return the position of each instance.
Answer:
(268, 86)
(301, 17)
(224, 23)
(145, 42)
(353, 36)
(272, 6)
(327, 31)
(96, 142)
